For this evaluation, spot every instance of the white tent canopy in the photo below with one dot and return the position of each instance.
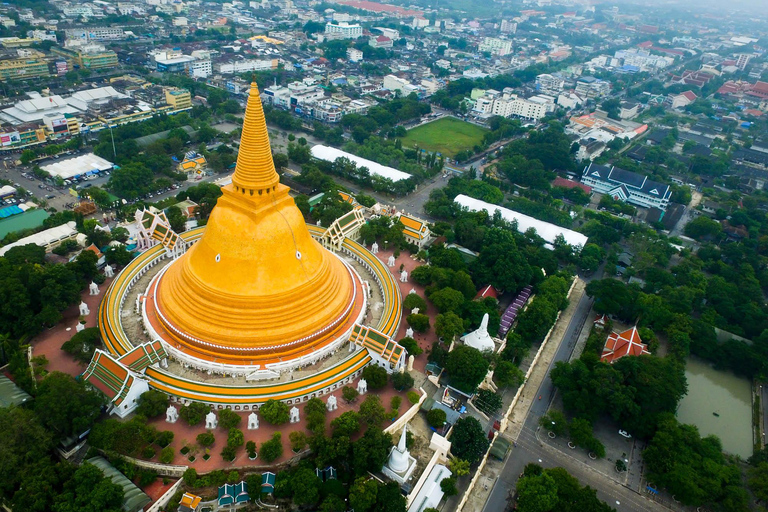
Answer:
(545, 230)
(77, 166)
(330, 154)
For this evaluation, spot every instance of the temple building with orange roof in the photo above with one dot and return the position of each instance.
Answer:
(621, 344)
(415, 230)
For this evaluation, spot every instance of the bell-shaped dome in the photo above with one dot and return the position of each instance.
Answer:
(256, 286)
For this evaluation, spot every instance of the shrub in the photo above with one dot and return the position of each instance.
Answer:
(184, 450)
(273, 449)
(418, 322)
(233, 477)
(376, 376)
(346, 425)
(314, 412)
(274, 412)
(148, 452)
(166, 455)
(146, 477)
(411, 346)
(414, 301)
(349, 394)
(205, 439)
(250, 447)
(395, 402)
(298, 440)
(413, 397)
(228, 419)
(436, 418)
(194, 413)
(402, 380)
(164, 438)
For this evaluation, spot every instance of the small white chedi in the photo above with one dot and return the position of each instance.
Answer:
(400, 464)
(479, 338)
(171, 414)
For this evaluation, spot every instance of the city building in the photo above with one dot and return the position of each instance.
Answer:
(508, 27)
(330, 154)
(173, 61)
(380, 42)
(681, 100)
(94, 34)
(178, 99)
(395, 83)
(590, 87)
(354, 55)
(18, 69)
(627, 186)
(507, 104)
(549, 84)
(243, 66)
(343, 30)
(496, 46)
(88, 56)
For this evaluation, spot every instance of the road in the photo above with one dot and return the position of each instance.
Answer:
(530, 450)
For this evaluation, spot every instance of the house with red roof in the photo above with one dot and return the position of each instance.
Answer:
(381, 42)
(566, 183)
(682, 100)
(487, 291)
(621, 344)
(759, 89)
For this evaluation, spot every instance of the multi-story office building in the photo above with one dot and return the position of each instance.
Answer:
(95, 34)
(178, 99)
(244, 66)
(591, 87)
(17, 69)
(551, 84)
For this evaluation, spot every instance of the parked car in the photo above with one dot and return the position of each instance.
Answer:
(624, 433)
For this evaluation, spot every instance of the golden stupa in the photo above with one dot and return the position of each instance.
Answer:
(256, 287)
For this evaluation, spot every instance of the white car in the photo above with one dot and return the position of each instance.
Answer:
(624, 433)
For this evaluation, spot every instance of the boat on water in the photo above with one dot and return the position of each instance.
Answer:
(715, 414)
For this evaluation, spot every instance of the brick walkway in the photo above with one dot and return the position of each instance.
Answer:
(49, 342)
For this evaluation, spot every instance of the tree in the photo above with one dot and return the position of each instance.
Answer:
(488, 402)
(448, 325)
(298, 440)
(25, 443)
(448, 486)
(375, 376)
(346, 425)
(372, 412)
(555, 422)
(466, 367)
(274, 412)
(314, 412)
(506, 374)
(206, 439)
(536, 493)
(402, 380)
(66, 406)
(118, 255)
(459, 467)
(447, 299)
(349, 394)
(273, 449)
(83, 344)
(166, 455)
(176, 219)
(412, 301)
(89, 491)
(390, 499)
(410, 345)
(305, 486)
(419, 322)
(228, 419)
(362, 494)
(703, 227)
(468, 441)
(152, 403)
(235, 438)
(194, 413)
(436, 417)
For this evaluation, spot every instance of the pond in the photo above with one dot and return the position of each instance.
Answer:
(718, 403)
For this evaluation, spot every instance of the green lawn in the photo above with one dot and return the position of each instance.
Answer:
(446, 135)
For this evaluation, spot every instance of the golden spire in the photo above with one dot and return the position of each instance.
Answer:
(255, 170)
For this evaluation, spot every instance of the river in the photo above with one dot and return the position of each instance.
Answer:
(712, 391)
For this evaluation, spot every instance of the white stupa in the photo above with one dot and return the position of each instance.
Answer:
(480, 339)
(400, 465)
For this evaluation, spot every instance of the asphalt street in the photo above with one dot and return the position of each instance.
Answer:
(530, 450)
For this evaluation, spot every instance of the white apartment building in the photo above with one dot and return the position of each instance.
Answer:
(243, 66)
(395, 83)
(569, 100)
(354, 55)
(551, 84)
(496, 46)
(508, 104)
(43, 35)
(643, 59)
(200, 68)
(420, 23)
(345, 30)
(95, 34)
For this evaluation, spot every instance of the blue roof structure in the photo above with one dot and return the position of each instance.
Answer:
(10, 210)
(233, 494)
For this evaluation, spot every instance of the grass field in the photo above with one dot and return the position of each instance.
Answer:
(446, 135)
